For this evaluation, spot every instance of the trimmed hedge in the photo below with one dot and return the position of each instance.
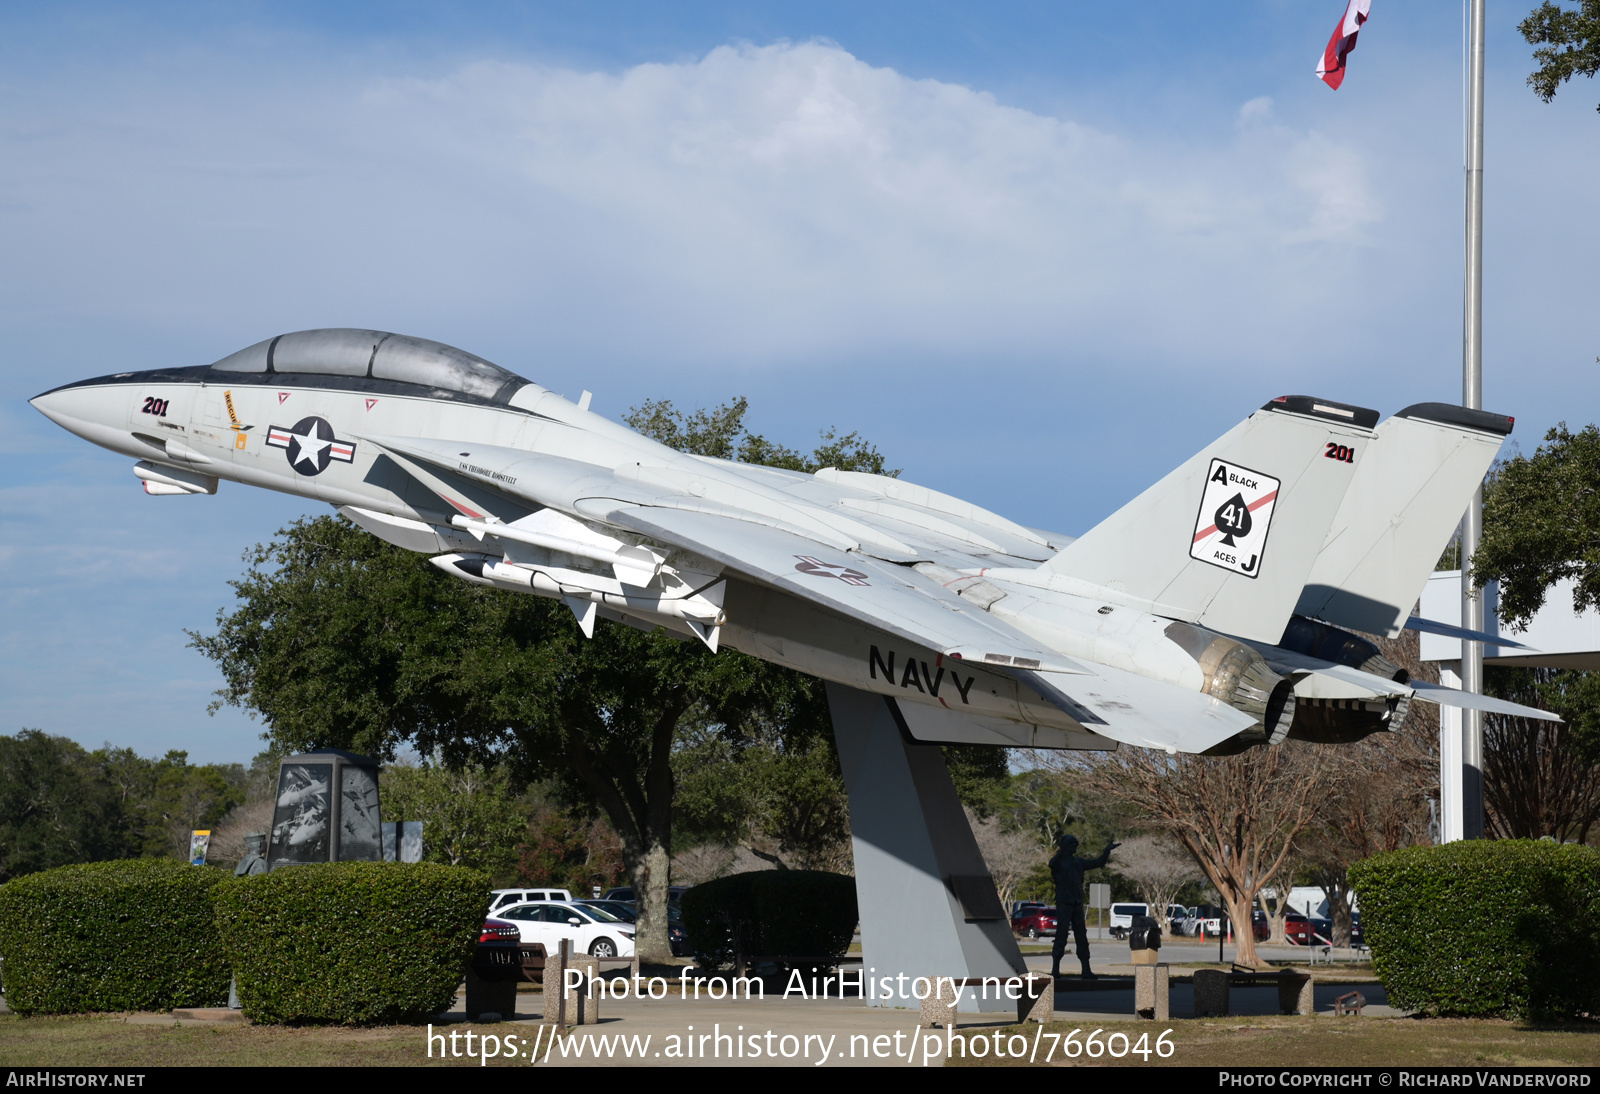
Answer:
(1485, 927)
(133, 934)
(351, 943)
(776, 913)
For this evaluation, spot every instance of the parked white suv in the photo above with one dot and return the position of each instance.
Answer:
(505, 898)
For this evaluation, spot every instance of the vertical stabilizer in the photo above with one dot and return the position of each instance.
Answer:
(1403, 505)
(1229, 538)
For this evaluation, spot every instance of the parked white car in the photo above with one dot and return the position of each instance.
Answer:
(505, 898)
(592, 930)
(1122, 918)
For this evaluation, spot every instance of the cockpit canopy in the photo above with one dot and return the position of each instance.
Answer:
(341, 351)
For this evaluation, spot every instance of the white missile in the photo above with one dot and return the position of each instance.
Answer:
(701, 611)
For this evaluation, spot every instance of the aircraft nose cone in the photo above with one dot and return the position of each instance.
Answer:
(58, 404)
(96, 414)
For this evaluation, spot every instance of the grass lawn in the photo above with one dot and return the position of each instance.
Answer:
(1325, 1042)
(110, 1041)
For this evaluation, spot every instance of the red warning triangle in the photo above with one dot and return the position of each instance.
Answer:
(371, 403)
(282, 395)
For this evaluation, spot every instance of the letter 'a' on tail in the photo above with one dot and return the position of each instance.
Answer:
(1228, 539)
(1403, 505)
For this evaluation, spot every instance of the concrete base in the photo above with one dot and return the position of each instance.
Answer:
(208, 1014)
(583, 1008)
(1041, 1007)
(928, 905)
(1151, 992)
(1211, 988)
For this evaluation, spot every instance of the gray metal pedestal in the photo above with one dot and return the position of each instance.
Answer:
(928, 905)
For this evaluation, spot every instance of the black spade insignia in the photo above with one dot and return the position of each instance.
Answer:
(1233, 519)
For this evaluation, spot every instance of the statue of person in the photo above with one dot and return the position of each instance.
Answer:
(1067, 870)
(254, 861)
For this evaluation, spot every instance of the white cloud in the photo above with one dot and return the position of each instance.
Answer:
(1257, 111)
(789, 200)
(760, 205)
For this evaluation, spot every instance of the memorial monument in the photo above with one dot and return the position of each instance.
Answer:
(1067, 870)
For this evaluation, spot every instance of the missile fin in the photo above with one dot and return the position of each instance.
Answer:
(706, 632)
(585, 611)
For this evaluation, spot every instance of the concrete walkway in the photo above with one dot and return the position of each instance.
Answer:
(815, 1032)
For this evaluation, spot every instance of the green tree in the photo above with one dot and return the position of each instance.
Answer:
(470, 815)
(56, 806)
(567, 846)
(1568, 41)
(164, 800)
(1541, 525)
(776, 788)
(341, 639)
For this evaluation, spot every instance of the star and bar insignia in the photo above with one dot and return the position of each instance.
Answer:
(311, 445)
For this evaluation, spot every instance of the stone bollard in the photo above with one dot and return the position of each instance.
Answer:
(490, 997)
(939, 1009)
(1038, 1002)
(582, 1005)
(1151, 991)
(1296, 996)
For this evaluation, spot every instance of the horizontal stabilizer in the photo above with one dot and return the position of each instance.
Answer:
(1452, 697)
(1291, 663)
(1450, 630)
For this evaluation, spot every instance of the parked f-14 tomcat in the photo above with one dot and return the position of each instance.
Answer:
(1212, 613)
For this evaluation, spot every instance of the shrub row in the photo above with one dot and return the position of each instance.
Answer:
(136, 934)
(348, 942)
(770, 913)
(1480, 927)
(352, 942)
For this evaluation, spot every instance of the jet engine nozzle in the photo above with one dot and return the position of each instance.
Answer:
(1239, 676)
(1345, 721)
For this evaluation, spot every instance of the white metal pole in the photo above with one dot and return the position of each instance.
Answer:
(1471, 755)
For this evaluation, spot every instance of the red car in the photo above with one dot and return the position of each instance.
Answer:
(1301, 930)
(1034, 922)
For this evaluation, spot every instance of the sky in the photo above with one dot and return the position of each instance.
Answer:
(1038, 253)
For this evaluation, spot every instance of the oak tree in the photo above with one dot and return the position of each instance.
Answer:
(1568, 41)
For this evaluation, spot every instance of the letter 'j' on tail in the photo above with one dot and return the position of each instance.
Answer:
(1228, 539)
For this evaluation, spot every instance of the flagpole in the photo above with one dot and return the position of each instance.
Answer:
(1471, 753)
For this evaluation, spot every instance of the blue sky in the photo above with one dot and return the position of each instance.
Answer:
(1039, 253)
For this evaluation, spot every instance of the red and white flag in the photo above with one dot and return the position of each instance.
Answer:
(1330, 68)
